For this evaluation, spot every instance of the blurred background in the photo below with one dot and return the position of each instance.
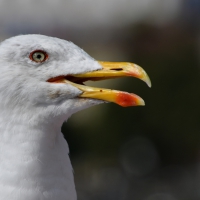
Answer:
(142, 153)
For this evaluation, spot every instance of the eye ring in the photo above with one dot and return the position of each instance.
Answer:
(38, 56)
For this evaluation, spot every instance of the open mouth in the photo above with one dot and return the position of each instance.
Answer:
(77, 80)
(109, 70)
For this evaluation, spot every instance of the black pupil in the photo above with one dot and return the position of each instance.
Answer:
(39, 56)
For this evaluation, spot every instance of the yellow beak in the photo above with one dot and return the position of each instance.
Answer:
(111, 70)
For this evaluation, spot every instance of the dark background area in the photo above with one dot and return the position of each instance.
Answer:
(143, 153)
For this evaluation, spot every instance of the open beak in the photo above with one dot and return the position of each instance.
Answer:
(109, 70)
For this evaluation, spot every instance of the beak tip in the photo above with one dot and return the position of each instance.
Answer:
(149, 83)
(141, 102)
(140, 73)
(146, 79)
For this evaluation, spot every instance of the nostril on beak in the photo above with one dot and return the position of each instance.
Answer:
(117, 69)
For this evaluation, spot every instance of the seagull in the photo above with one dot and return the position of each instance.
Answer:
(41, 86)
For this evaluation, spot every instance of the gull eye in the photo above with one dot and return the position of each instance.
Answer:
(38, 56)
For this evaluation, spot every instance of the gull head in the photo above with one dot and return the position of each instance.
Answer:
(41, 72)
